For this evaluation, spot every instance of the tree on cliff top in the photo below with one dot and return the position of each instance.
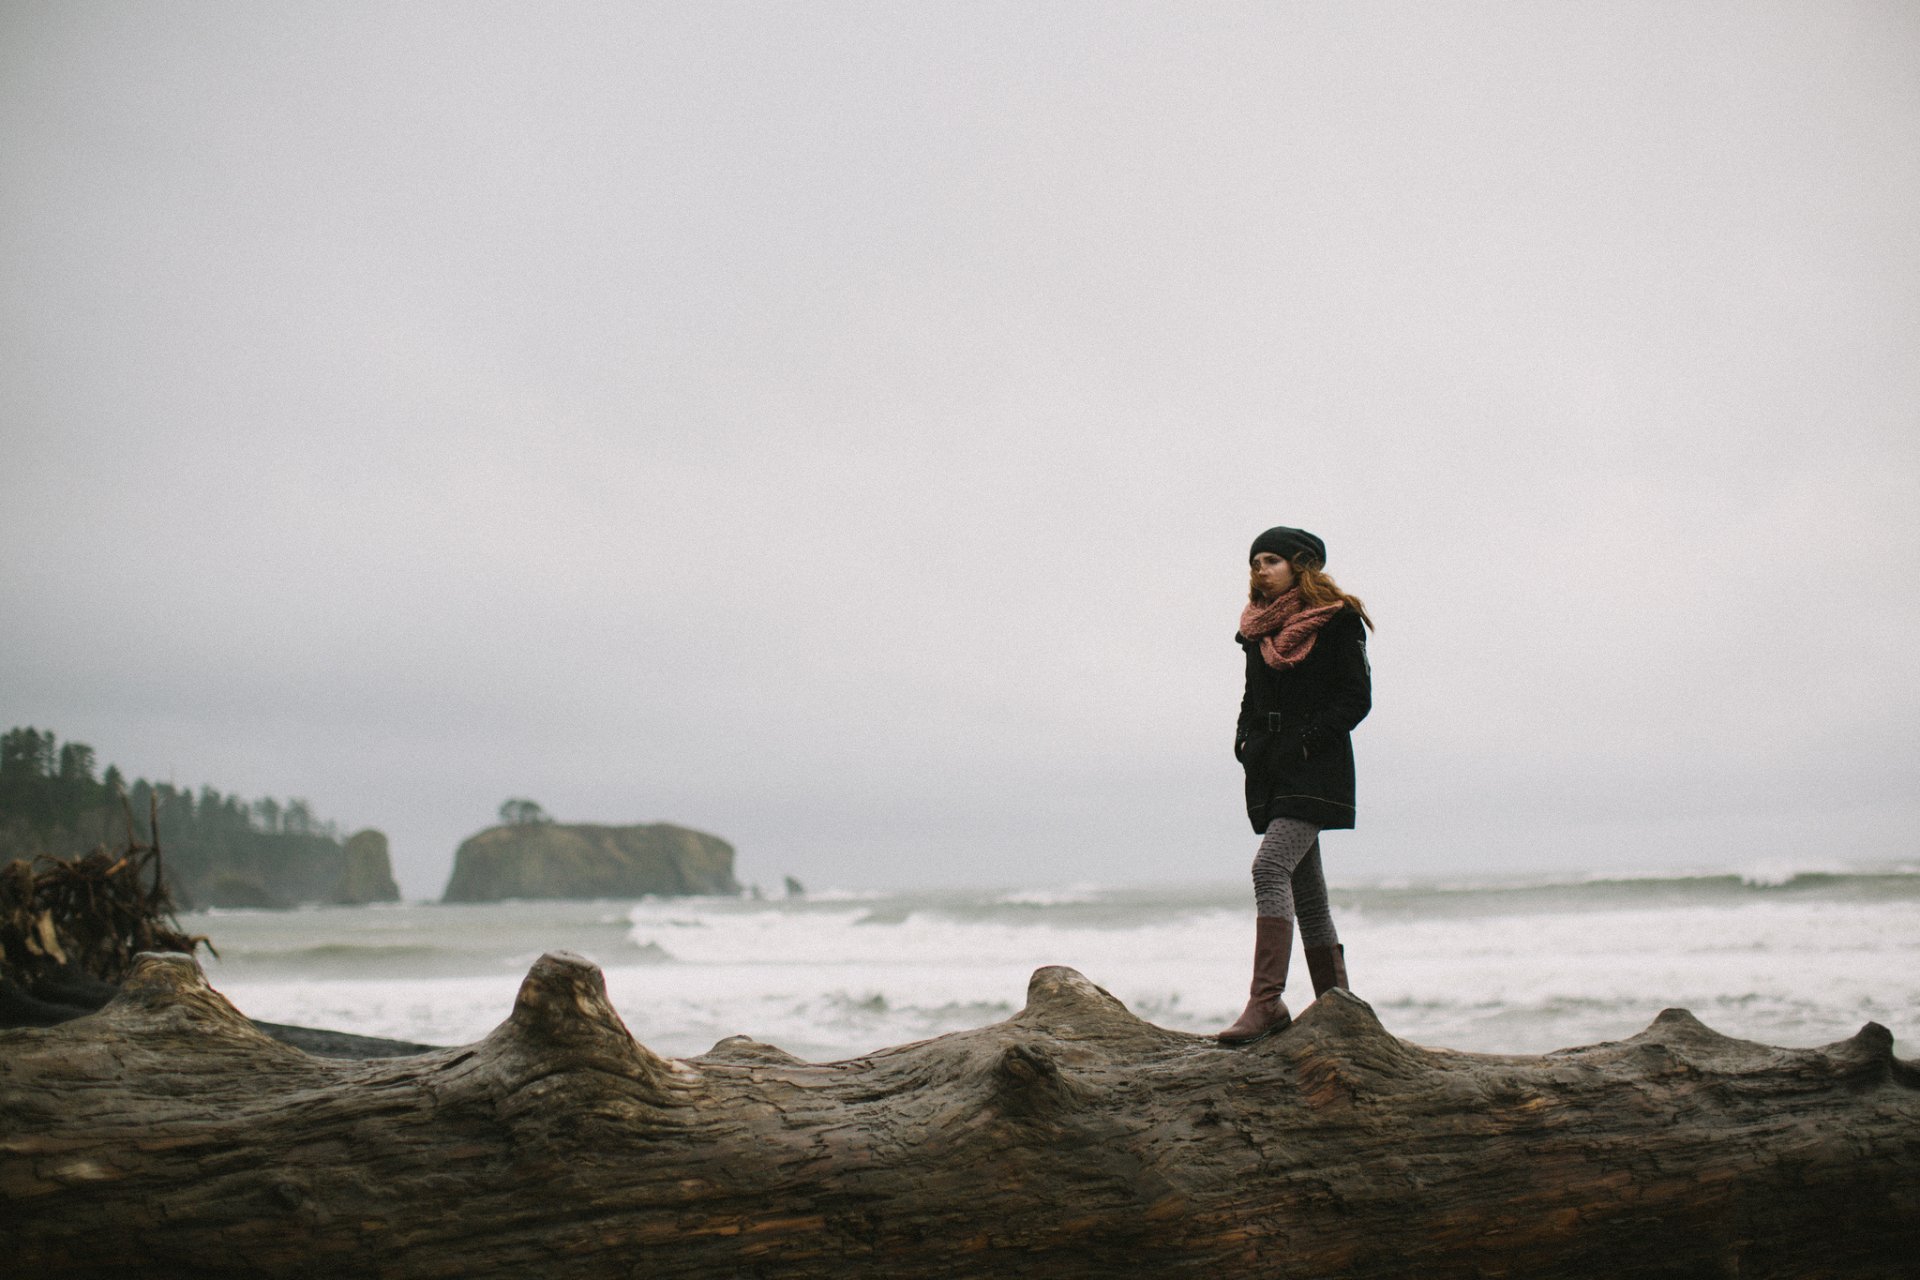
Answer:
(519, 812)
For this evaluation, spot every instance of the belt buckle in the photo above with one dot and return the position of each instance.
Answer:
(1273, 722)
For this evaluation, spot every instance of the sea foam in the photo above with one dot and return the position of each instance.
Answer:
(1495, 966)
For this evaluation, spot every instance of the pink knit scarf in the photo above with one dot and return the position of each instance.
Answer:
(1285, 630)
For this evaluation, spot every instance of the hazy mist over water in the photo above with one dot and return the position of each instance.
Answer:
(840, 427)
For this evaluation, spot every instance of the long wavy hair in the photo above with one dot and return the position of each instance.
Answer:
(1316, 588)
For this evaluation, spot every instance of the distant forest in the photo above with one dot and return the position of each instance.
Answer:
(217, 848)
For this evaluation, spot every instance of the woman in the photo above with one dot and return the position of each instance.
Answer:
(1308, 685)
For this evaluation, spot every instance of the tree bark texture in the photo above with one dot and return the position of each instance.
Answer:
(166, 1136)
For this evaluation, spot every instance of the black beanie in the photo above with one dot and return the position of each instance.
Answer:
(1288, 543)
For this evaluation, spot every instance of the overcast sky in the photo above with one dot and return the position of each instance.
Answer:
(840, 427)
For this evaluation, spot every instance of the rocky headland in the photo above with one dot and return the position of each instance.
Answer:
(288, 872)
(587, 860)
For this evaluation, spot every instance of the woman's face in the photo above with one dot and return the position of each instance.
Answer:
(1272, 574)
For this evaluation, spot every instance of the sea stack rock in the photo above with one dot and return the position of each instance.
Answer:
(582, 860)
(367, 875)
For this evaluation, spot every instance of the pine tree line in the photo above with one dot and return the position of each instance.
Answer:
(50, 786)
(51, 802)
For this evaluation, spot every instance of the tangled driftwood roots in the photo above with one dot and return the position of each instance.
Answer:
(71, 927)
(165, 1136)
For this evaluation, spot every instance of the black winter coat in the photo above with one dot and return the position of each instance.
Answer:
(1293, 734)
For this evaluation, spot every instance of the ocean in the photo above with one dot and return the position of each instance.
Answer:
(1492, 965)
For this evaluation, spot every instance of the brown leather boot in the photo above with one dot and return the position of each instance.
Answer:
(1266, 1012)
(1327, 966)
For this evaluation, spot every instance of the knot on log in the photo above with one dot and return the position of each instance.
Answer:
(163, 975)
(167, 987)
(746, 1051)
(1679, 1026)
(1684, 1044)
(1340, 1050)
(564, 998)
(1342, 1023)
(1868, 1052)
(1029, 1081)
(562, 1019)
(1064, 1004)
(1024, 1064)
(1904, 1071)
(1340, 1013)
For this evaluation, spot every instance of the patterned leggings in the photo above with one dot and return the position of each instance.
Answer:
(1287, 878)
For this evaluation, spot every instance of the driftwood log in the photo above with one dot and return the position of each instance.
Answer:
(166, 1136)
